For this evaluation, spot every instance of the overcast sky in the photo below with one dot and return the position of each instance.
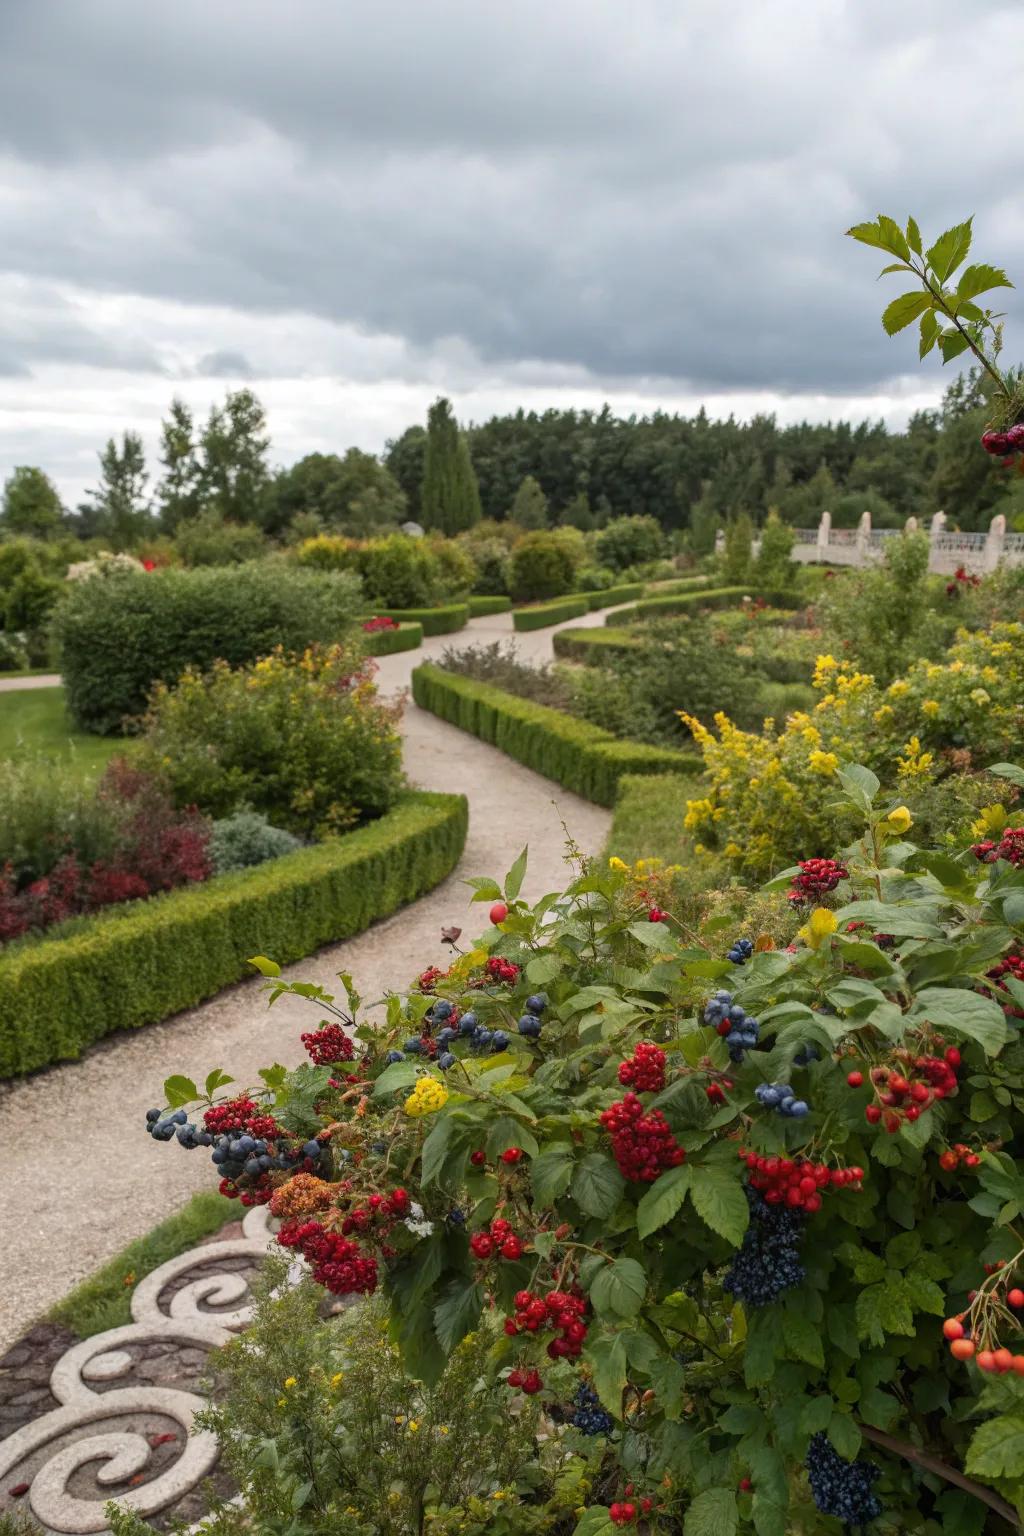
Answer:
(355, 205)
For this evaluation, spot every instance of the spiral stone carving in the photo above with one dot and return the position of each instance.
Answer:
(108, 1429)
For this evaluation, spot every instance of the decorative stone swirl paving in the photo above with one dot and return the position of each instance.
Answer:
(73, 1474)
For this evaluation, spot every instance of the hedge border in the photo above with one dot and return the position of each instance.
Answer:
(386, 642)
(143, 962)
(627, 592)
(435, 621)
(691, 602)
(590, 646)
(480, 607)
(677, 585)
(577, 755)
(546, 614)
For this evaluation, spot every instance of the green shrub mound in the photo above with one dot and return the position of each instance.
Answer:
(577, 755)
(694, 602)
(385, 642)
(609, 597)
(121, 633)
(481, 606)
(549, 613)
(246, 839)
(151, 959)
(592, 646)
(434, 621)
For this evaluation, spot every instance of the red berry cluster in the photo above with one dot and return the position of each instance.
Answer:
(426, 981)
(258, 1193)
(961, 579)
(956, 1155)
(328, 1044)
(797, 1182)
(380, 621)
(626, 1512)
(498, 1239)
(656, 915)
(645, 1070)
(1004, 444)
(527, 1381)
(379, 1209)
(499, 969)
(241, 1114)
(1009, 847)
(816, 878)
(716, 1091)
(337, 1263)
(511, 1156)
(560, 1310)
(1010, 965)
(643, 1145)
(902, 1098)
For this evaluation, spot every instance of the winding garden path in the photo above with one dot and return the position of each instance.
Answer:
(81, 1180)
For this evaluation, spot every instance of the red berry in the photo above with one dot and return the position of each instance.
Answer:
(855, 1079)
(953, 1328)
(953, 1056)
(986, 1360)
(512, 1248)
(949, 1161)
(872, 1114)
(498, 913)
(478, 1159)
(482, 1245)
(1015, 1297)
(745, 1485)
(532, 1382)
(1003, 1360)
(962, 1349)
(512, 1155)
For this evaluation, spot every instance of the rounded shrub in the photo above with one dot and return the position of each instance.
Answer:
(122, 633)
(627, 541)
(245, 839)
(542, 566)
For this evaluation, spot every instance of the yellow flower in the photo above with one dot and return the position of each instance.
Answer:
(930, 707)
(883, 713)
(399, 1418)
(498, 1494)
(818, 927)
(413, 1426)
(981, 696)
(443, 1429)
(427, 1097)
(619, 865)
(282, 1402)
(991, 818)
(898, 688)
(290, 1382)
(336, 1380)
(824, 763)
(900, 820)
(732, 850)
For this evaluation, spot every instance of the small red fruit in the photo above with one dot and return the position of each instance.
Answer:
(1003, 1359)
(498, 913)
(986, 1360)
(478, 1158)
(855, 1079)
(512, 1248)
(482, 1245)
(962, 1349)
(1015, 1297)
(953, 1056)
(948, 1160)
(1018, 1365)
(512, 1155)
(953, 1328)
(745, 1485)
(872, 1114)
(532, 1382)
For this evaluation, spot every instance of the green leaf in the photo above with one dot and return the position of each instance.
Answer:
(663, 1200)
(859, 782)
(803, 1338)
(507, 1132)
(619, 1288)
(951, 344)
(274, 1076)
(544, 968)
(400, 1074)
(514, 878)
(845, 1436)
(712, 1513)
(214, 1080)
(550, 1174)
(718, 1198)
(458, 1313)
(437, 1146)
(606, 1356)
(997, 1449)
(179, 1090)
(816, 1415)
(763, 1340)
(1009, 771)
(264, 966)
(904, 311)
(914, 236)
(595, 1522)
(965, 1013)
(597, 1185)
(929, 332)
(893, 237)
(950, 249)
(910, 921)
(868, 234)
(979, 279)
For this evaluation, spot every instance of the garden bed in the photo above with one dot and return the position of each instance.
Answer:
(577, 755)
(386, 642)
(144, 961)
(546, 614)
(589, 646)
(435, 621)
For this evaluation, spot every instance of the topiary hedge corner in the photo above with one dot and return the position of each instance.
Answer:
(577, 755)
(545, 614)
(694, 602)
(435, 621)
(385, 642)
(151, 959)
(592, 646)
(480, 607)
(627, 592)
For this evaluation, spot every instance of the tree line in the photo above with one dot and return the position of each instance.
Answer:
(539, 468)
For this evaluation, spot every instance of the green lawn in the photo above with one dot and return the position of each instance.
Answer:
(34, 720)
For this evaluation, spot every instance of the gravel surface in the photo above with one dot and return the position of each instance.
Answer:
(82, 1178)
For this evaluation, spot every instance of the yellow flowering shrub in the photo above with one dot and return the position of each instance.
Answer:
(426, 1098)
(974, 700)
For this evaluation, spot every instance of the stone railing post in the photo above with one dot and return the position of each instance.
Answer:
(995, 542)
(720, 542)
(824, 529)
(864, 539)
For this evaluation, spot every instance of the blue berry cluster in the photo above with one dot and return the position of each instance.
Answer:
(841, 1488)
(529, 1024)
(741, 952)
(232, 1155)
(590, 1418)
(739, 1031)
(780, 1097)
(768, 1262)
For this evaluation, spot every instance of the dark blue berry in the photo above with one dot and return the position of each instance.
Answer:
(468, 1023)
(446, 1060)
(393, 1056)
(768, 1262)
(499, 1041)
(413, 1046)
(179, 1117)
(442, 1009)
(311, 1149)
(841, 1488)
(152, 1115)
(529, 1025)
(537, 1002)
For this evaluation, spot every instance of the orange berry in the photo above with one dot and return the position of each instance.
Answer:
(1004, 1359)
(1015, 1297)
(952, 1328)
(1018, 1365)
(986, 1360)
(962, 1349)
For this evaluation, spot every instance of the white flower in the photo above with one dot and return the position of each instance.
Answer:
(419, 1228)
(416, 1211)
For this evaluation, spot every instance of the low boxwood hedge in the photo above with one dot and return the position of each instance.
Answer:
(591, 646)
(147, 960)
(435, 621)
(385, 642)
(628, 592)
(545, 614)
(479, 607)
(580, 756)
(679, 584)
(693, 602)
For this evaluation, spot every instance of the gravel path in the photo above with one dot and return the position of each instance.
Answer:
(16, 684)
(82, 1179)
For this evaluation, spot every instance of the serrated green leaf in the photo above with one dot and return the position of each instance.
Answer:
(950, 249)
(514, 878)
(803, 1338)
(264, 966)
(619, 1288)
(914, 236)
(550, 1174)
(892, 237)
(712, 1513)
(718, 1199)
(868, 234)
(457, 1313)
(400, 1074)
(980, 278)
(214, 1080)
(929, 332)
(951, 344)
(607, 1358)
(179, 1090)
(663, 1200)
(965, 1013)
(903, 311)
(997, 1449)
(845, 1436)
(597, 1185)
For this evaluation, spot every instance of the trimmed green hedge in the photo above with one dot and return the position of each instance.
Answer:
(150, 959)
(435, 621)
(580, 756)
(479, 607)
(673, 588)
(626, 593)
(385, 642)
(694, 602)
(591, 646)
(545, 614)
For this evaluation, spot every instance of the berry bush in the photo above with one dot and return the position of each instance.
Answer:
(771, 1321)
